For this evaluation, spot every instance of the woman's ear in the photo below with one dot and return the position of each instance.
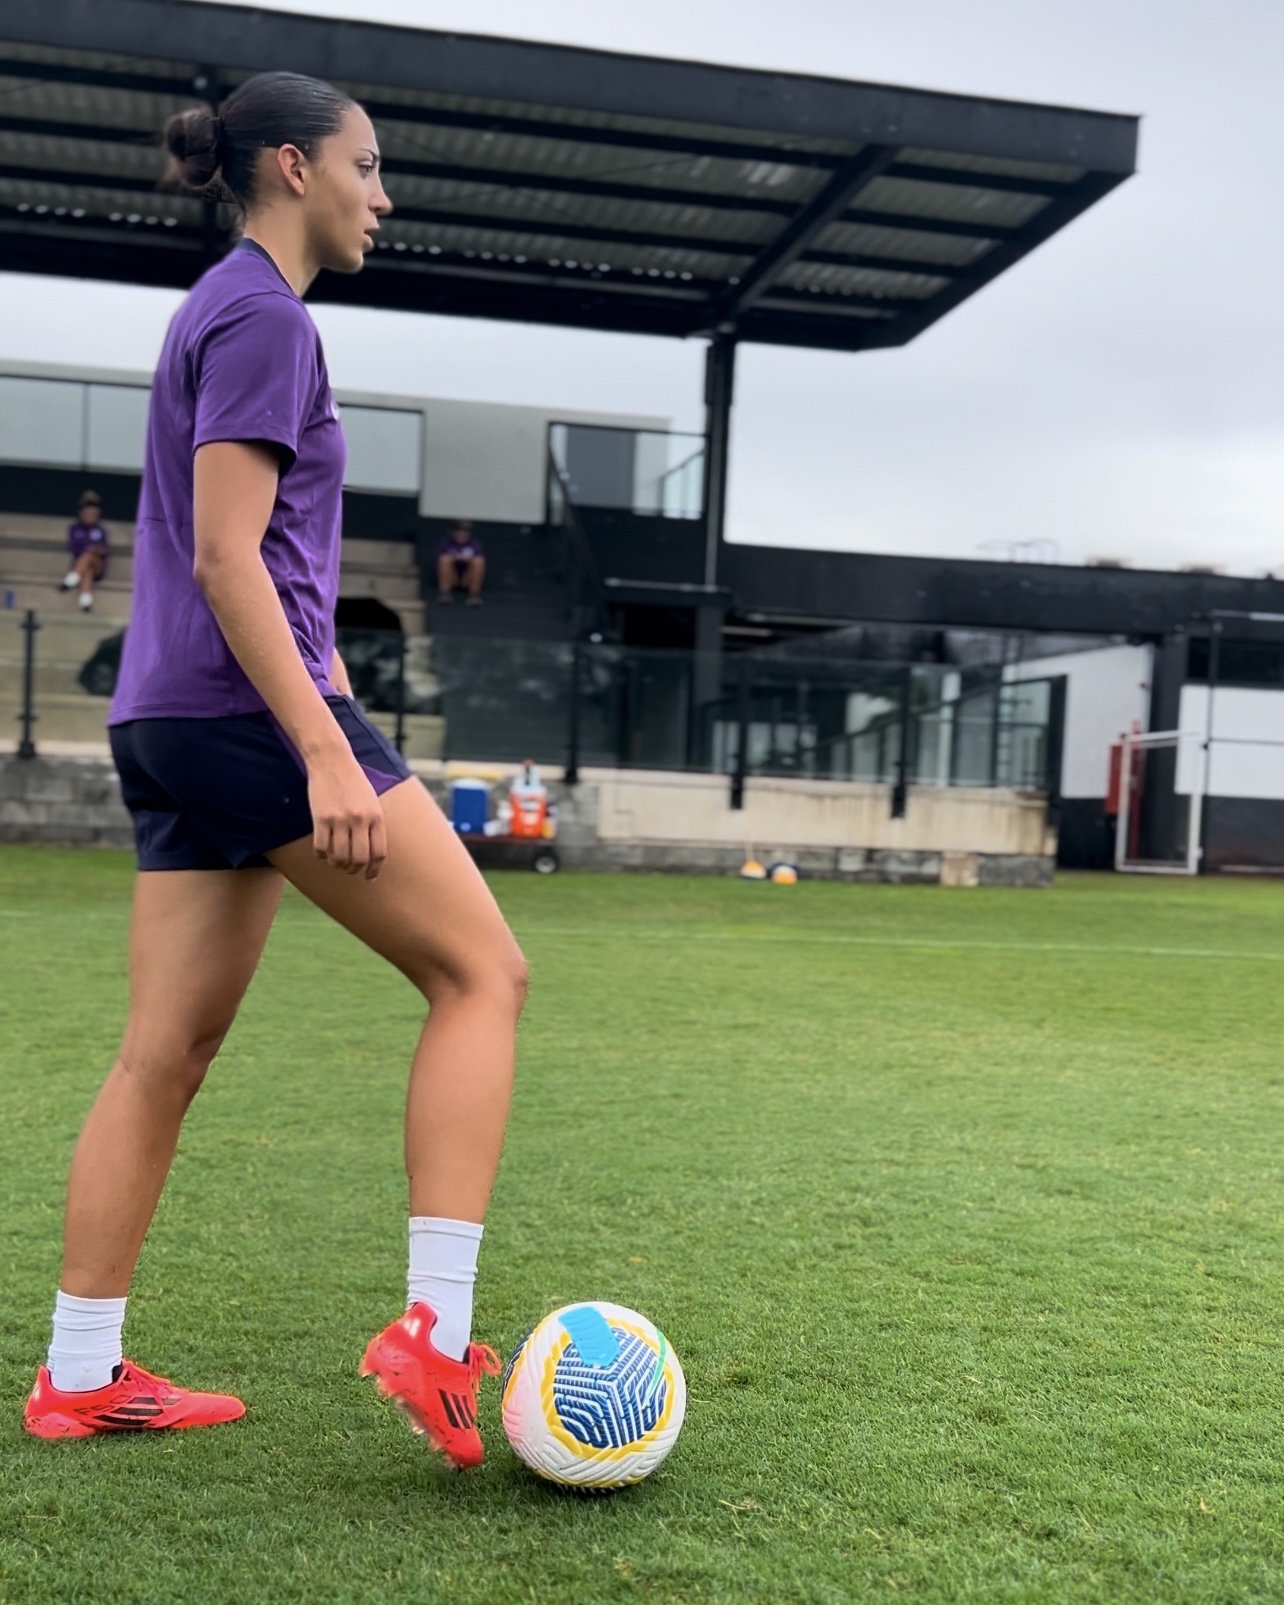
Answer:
(292, 165)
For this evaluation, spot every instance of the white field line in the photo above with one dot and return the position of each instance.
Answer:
(935, 944)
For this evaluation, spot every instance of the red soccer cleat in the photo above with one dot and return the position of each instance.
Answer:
(136, 1401)
(437, 1394)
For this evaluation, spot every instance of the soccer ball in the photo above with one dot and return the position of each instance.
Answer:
(594, 1397)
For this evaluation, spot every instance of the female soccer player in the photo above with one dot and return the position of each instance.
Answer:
(245, 763)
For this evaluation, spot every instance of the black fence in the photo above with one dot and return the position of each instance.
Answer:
(600, 705)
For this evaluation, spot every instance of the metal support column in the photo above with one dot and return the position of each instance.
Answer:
(719, 375)
(741, 769)
(900, 790)
(571, 774)
(399, 736)
(1054, 753)
(1210, 735)
(719, 382)
(30, 624)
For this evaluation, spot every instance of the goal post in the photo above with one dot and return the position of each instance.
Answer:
(1162, 781)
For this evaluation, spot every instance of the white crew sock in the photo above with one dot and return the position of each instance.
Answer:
(86, 1342)
(443, 1268)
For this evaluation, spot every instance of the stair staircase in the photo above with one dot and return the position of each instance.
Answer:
(33, 560)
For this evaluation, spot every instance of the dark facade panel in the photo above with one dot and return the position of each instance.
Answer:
(953, 593)
(522, 72)
(758, 203)
(1244, 833)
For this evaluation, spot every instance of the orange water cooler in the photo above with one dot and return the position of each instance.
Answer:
(529, 798)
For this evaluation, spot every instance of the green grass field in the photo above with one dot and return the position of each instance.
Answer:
(962, 1209)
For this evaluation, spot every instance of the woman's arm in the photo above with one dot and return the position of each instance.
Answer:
(235, 487)
(339, 675)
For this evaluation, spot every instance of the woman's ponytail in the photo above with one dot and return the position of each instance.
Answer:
(217, 154)
(192, 139)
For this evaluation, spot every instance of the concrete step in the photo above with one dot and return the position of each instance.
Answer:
(63, 716)
(63, 637)
(24, 532)
(40, 530)
(35, 565)
(58, 609)
(391, 555)
(75, 716)
(111, 602)
(390, 588)
(29, 561)
(111, 612)
(413, 616)
(113, 599)
(541, 616)
(52, 679)
(425, 732)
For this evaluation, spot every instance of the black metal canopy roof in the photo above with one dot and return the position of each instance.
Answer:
(553, 185)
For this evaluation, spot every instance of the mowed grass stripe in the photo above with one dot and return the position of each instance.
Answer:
(793, 934)
(964, 1222)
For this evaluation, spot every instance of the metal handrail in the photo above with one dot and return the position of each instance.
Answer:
(588, 572)
(679, 468)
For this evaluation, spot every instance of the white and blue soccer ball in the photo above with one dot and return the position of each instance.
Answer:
(594, 1397)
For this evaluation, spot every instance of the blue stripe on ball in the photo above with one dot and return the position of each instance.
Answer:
(591, 1334)
(611, 1407)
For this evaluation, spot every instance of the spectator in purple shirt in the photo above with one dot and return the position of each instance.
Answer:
(87, 546)
(461, 565)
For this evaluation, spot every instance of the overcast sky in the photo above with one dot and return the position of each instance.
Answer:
(1118, 392)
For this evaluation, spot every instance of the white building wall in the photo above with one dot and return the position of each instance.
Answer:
(1248, 742)
(487, 460)
(463, 459)
(41, 421)
(385, 448)
(1106, 690)
(116, 427)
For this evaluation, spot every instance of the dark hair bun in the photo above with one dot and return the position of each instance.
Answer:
(192, 138)
(219, 155)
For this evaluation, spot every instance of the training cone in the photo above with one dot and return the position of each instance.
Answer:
(752, 870)
(784, 875)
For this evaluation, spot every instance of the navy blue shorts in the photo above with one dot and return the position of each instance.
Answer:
(222, 793)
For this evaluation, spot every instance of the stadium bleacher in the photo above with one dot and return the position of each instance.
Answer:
(33, 560)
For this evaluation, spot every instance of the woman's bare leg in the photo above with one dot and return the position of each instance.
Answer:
(89, 565)
(194, 945)
(431, 914)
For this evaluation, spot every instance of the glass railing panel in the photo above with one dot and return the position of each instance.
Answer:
(503, 700)
(639, 708)
(11, 651)
(653, 472)
(395, 682)
(488, 699)
(77, 661)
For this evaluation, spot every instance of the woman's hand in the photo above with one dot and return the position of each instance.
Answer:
(347, 817)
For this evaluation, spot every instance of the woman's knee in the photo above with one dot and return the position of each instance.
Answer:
(173, 1065)
(519, 978)
(499, 977)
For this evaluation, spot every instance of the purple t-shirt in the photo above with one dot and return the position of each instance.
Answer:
(80, 537)
(461, 551)
(242, 362)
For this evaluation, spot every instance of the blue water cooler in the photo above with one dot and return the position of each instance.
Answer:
(469, 806)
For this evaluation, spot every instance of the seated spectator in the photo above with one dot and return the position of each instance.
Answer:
(87, 545)
(461, 565)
